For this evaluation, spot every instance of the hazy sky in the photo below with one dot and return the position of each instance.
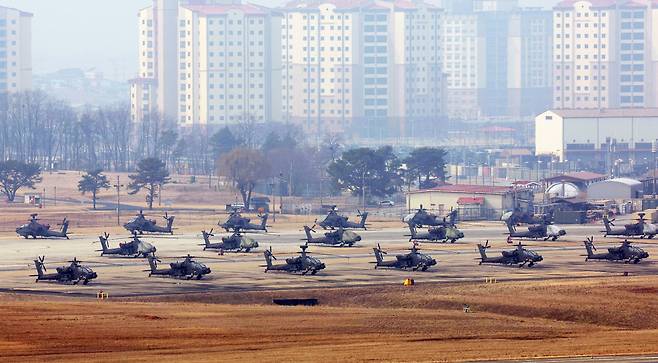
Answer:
(98, 34)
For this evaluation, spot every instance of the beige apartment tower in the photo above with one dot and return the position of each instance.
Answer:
(207, 62)
(154, 90)
(229, 64)
(605, 54)
(367, 66)
(15, 50)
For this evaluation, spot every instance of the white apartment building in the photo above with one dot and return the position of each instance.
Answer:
(229, 64)
(638, 54)
(583, 55)
(605, 54)
(364, 65)
(417, 88)
(15, 50)
(154, 90)
(497, 61)
(462, 65)
(320, 58)
(207, 62)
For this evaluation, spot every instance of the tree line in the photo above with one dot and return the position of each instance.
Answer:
(38, 132)
(39, 129)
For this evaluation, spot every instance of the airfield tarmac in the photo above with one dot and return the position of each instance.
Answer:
(126, 277)
(562, 307)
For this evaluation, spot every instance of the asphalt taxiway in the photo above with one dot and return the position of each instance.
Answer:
(347, 266)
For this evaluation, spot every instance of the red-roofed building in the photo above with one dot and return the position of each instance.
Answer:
(584, 177)
(223, 9)
(472, 201)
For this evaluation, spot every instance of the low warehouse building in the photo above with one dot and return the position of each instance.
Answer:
(472, 201)
(596, 135)
(617, 189)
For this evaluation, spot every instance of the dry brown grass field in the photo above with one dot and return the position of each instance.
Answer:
(389, 323)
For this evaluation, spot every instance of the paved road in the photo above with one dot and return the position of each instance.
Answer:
(345, 266)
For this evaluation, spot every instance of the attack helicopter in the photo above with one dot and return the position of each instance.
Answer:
(140, 224)
(339, 237)
(625, 252)
(640, 229)
(303, 263)
(334, 220)
(73, 273)
(519, 256)
(413, 260)
(543, 231)
(518, 216)
(424, 218)
(438, 233)
(236, 222)
(35, 229)
(188, 268)
(134, 248)
(233, 243)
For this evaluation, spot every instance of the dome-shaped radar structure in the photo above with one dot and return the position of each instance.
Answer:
(563, 190)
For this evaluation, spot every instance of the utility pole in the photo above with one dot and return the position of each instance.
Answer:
(653, 151)
(118, 187)
(273, 201)
(280, 193)
(290, 180)
(363, 189)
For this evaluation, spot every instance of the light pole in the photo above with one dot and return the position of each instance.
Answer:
(363, 188)
(565, 167)
(273, 202)
(653, 184)
(118, 188)
(280, 193)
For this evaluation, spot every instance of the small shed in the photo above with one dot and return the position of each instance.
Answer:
(617, 188)
(487, 201)
(32, 199)
(471, 208)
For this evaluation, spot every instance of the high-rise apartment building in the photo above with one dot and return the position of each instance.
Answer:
(154, 90)
(320, 57)
(516, 62)
(362, 65)
(461, 63)
(497, 60)
(417, 86)
(207, 62)
(15, 50)
(229, 64)
(605, 54)
(584, 54)
(638, 54)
